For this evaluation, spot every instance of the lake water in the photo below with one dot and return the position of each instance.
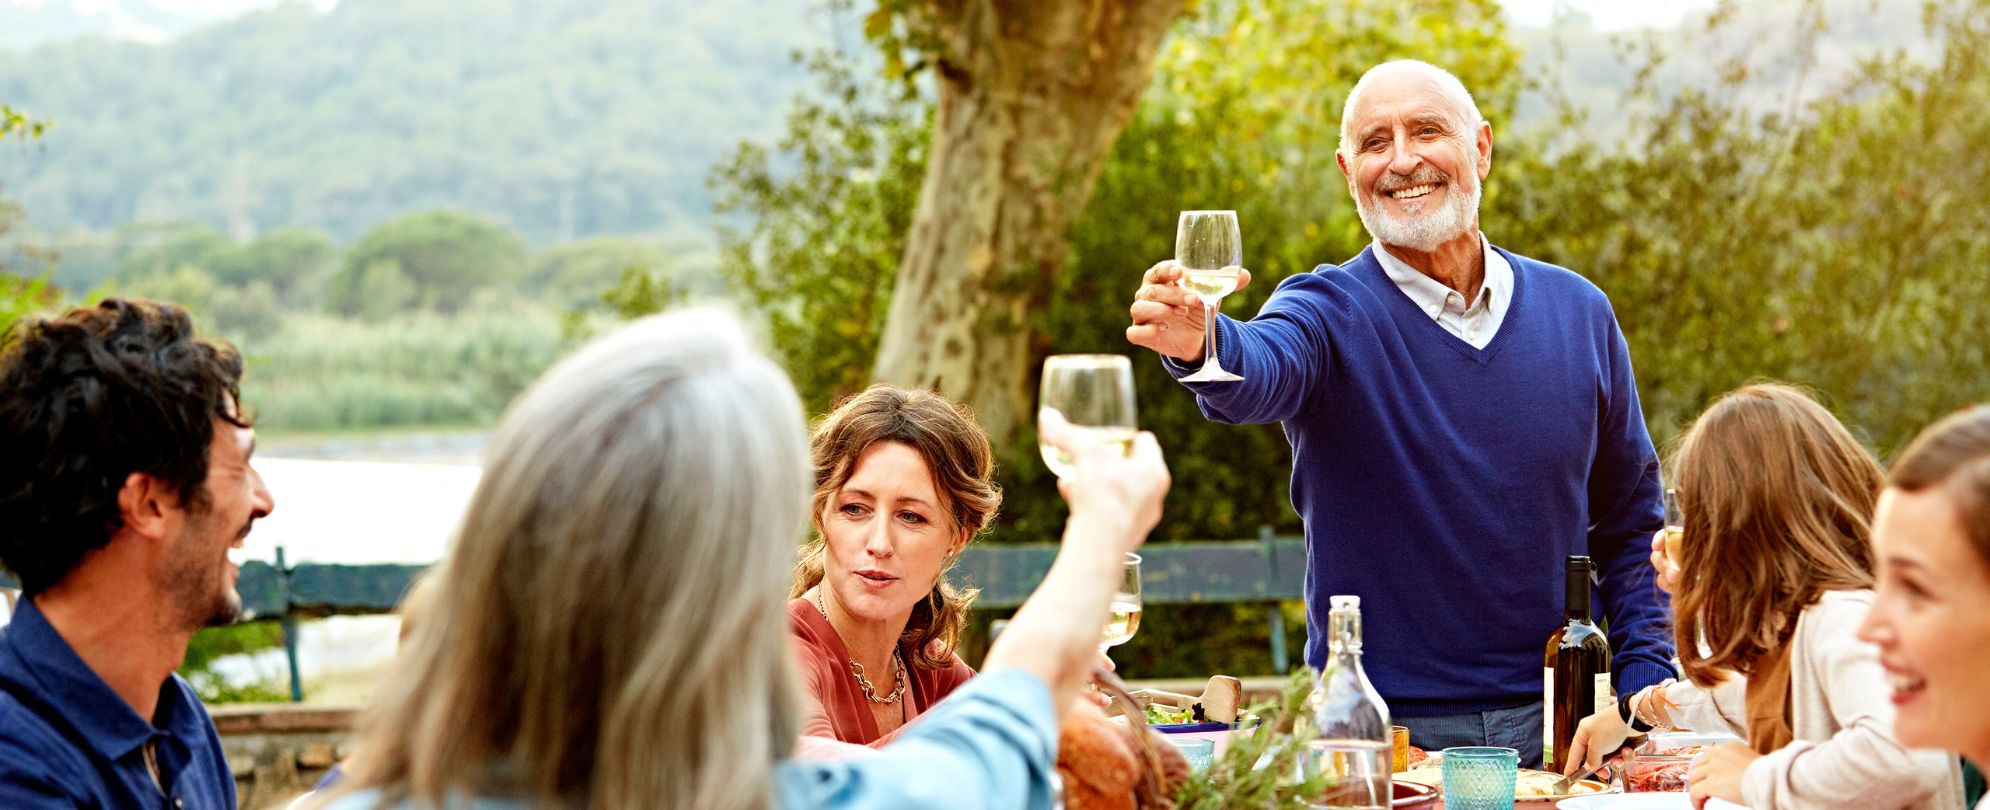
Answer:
(331, 510)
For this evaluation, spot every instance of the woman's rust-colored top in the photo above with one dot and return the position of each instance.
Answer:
(837, 707)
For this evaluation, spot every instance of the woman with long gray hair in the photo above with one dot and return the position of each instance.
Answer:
(608, 630)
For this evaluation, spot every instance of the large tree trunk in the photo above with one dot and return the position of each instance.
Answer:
(1032, 94)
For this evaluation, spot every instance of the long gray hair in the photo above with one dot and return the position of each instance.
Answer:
(608, 629)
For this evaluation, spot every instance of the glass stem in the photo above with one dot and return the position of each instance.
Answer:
(1209, 332)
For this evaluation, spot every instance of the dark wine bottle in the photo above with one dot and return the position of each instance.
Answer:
(1577, 671)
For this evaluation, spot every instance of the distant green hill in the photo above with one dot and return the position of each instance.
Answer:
(571, 118)
(564, 118)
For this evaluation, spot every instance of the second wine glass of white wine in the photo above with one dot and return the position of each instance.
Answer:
(1124, 619)
(1675, 526)
(1094, 393)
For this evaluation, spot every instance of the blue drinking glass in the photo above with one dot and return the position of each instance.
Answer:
(1199, 751)
(1480, 778)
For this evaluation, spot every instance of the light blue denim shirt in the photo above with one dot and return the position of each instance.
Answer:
(991, 745)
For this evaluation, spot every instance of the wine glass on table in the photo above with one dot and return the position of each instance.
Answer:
(1210, 250)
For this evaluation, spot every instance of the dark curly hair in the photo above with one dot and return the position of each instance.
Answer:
(87, 399)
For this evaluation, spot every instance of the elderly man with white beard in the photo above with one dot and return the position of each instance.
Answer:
(1461, 417)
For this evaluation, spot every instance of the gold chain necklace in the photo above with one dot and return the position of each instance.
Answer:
(857, 669)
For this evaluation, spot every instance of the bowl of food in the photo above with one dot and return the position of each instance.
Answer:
(1658, 773)
(1680, 743)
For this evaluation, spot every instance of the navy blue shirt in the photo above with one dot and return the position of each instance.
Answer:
(67, 740)
(1444, 484)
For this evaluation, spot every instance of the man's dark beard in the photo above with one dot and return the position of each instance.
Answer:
(194, 582)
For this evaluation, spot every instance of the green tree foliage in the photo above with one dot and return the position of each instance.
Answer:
(14, 123)
(1841, 246)
(811, 230)
(446, 256)
(211, 644)
(415, 369)
(573, 275)
(186, 285)
(296, 263)
(19, 296)
(152, 248)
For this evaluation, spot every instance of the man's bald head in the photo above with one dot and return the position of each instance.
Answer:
(1393, 77)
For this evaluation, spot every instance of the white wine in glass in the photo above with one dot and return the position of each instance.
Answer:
(1093, 392)
(1675, 526)
(1124, 619)
(1210, 249)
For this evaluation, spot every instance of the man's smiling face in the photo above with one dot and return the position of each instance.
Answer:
(1414, 158)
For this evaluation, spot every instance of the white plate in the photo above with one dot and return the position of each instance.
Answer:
(1639, 801)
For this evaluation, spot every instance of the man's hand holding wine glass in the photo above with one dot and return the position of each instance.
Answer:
(1168, 318)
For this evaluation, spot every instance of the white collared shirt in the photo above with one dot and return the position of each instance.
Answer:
(1476, 322)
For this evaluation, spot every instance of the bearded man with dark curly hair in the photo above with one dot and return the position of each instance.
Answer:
(124, 482)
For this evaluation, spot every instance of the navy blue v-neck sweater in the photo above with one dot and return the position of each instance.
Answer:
(1444, 484)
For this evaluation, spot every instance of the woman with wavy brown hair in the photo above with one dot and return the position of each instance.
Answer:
(904, 480)
(1771, 578)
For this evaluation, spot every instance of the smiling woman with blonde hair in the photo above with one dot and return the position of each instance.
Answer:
(607, 630)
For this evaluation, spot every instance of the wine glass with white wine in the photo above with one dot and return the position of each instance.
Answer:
(1210, 250)
(1124, 619)
(1094, 393)
(1675, 526)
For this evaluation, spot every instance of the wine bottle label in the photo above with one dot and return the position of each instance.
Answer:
(1606, 698)
(1548, 715)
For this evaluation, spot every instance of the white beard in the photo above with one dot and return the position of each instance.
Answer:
(1421, 231)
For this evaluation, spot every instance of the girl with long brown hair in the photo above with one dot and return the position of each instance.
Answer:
(1771, 577)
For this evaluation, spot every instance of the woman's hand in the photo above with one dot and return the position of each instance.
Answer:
(1668, 574)
(1094, 696)
(1717, 773)
(1598, 736)
(1115, 499)
(1109, 483)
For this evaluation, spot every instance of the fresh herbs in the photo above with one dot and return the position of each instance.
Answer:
(1260, 767)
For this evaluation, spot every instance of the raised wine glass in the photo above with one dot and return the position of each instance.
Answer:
(1210, 250)
(1675, 526)
(1094, 393)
